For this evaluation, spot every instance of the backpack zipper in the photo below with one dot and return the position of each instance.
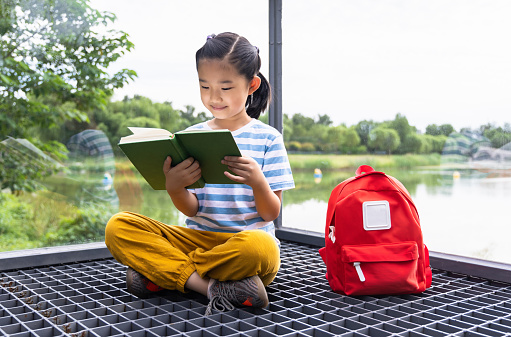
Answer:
(359, 271)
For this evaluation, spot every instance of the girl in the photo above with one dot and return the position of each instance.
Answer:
(228, 250)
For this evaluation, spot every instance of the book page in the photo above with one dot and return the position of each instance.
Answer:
(141, 134)
(137, 130)
(201, 131)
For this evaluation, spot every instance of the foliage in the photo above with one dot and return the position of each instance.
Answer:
(328, 162)
(404, 129)
(437, 130)
(13, 215)
(87, 224)
(363, 129)
(498, 136)
(294, 146)
(53, 66)
(384, 139)
(22, 164)
(44, 219)
(393, 136)
(139, 111)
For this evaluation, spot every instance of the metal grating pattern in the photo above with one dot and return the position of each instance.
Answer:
(89, 299)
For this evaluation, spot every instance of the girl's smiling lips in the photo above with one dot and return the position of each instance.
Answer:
(218, 107)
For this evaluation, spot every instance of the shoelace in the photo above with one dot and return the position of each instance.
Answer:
(218, 303)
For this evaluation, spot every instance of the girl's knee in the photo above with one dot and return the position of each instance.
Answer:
(113, 225)
(259, 246)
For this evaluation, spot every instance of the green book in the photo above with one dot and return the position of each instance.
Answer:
(147, 149)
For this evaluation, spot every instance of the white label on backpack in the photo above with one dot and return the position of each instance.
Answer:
(376, 215)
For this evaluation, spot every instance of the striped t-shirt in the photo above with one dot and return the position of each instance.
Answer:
(231, 207)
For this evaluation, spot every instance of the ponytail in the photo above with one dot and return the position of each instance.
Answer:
(238, 51)
(261, 98)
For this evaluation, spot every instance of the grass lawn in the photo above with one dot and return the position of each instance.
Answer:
(335, 161)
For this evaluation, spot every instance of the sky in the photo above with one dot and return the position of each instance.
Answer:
(433, 61)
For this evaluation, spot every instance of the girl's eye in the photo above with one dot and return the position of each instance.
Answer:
(225, 89)
(203, 87)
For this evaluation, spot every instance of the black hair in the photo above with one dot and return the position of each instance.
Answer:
(241, 54)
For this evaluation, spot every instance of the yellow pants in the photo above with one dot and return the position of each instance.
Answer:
(168, 255)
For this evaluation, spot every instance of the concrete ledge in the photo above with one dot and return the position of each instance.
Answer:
(447, 262)
(495, 271)
(28, 258)
(300, 236)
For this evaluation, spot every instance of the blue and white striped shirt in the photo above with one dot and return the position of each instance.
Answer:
(231, 207)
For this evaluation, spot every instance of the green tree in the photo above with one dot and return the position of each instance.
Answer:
(383, 139)
(302, 127)
(498, 136)
(404, 130)
(190, 117)
(287, 131)
(446, 129)
(437, 130)
(363, 129)
(333, 139)
(433, 129)
(412, 143)
(324, 120)
(401, 125)
(55, 49)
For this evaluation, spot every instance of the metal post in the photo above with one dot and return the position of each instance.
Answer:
(275, 40)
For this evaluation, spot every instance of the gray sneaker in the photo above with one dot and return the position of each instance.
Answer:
(139, 285)
(224, 296)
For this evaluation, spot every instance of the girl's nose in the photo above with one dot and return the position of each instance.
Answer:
(215, 96)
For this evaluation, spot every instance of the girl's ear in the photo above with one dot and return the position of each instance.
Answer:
(254, 85)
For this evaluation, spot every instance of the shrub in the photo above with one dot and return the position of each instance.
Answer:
(308, 147)
(294, 146)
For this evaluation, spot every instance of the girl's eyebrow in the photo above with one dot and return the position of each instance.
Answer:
(221, 82)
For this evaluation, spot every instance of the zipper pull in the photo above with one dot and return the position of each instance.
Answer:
(359, 271)
(331, 235)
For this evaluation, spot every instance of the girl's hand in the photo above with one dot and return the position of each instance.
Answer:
(176, 179)
(249, 172)
(246, 170)
(183, 174)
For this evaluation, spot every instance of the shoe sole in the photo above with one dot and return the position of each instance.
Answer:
(261, 291)
(129, 284)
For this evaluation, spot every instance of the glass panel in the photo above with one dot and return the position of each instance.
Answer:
(417, 89)
(66, 98)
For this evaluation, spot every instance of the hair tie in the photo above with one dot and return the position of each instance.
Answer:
(257, 49)
(212, 36)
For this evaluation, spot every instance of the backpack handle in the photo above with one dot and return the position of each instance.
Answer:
(363, 169)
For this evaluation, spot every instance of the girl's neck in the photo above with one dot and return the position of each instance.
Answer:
(229, 124)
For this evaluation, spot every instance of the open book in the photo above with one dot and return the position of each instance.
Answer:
(147, 149)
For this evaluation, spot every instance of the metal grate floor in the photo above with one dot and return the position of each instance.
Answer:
(90, 299)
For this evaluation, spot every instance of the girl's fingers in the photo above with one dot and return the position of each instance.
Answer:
(233, 177)
(166, 164)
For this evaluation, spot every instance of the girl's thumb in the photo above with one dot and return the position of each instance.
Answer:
(166, 164)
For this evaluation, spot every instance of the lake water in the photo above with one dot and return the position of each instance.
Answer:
(469, 215)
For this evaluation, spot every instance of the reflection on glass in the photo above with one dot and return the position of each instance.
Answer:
(462, 203)
(417, 90)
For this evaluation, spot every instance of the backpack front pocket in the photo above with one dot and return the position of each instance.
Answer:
(380, 268)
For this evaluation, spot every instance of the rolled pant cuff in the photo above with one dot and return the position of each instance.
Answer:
(185, 275)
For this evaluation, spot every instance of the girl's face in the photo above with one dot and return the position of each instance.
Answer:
(224, 92)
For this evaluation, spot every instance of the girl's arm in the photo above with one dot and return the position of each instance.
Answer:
(176, 179)
(248, 172)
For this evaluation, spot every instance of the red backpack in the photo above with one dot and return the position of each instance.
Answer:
(373, 238)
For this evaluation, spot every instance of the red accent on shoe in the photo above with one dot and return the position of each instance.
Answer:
(153, 287)
(247, 303)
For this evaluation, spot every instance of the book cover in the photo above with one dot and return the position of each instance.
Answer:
(148, 148)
